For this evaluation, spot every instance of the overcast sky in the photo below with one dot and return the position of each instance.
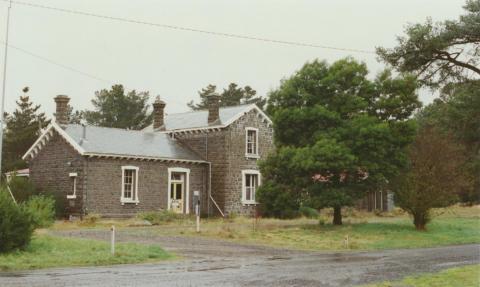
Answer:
(176, 64)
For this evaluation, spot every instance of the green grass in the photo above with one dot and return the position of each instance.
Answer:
(467, 276)
(364, 231)
(50, 251)
(361, 236)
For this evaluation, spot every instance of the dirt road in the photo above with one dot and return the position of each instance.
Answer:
(219, 263)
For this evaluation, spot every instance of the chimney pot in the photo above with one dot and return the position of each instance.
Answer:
(213, 109)
(61, 113)
(158, 115)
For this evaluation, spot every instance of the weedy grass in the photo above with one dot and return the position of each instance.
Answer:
(457, 225)
(365, 231)
(466, 276)
(50, 251)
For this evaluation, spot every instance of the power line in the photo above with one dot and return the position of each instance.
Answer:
(58, 64)
(73, 69)
(190, 29)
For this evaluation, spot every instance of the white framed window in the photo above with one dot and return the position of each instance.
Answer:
(129, 184)
(72, 192)
(251, 180)
(251, 142)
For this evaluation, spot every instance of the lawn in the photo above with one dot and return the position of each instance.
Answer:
(50, 251)
(387, 234)
(365, 231)
(467, 276)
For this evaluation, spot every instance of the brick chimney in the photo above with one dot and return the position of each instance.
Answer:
(213, 109)
(61, 113)
(158, 115)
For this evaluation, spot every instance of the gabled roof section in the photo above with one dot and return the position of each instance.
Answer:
(46, 135)
(111, 142)
(198, 120)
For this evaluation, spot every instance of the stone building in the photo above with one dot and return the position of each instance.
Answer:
(117, 172)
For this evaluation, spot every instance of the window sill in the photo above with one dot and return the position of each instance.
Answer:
(123, 201)
(249, 202)
(255, 156)
(71, 196)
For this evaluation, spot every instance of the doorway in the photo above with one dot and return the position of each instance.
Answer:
(178, 191)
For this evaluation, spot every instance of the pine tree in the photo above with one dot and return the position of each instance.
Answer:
(22, 130)
(75, 117)
(117, 108)
(439, 53)
(231, 96)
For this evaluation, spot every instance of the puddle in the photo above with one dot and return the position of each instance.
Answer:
(278, 258)
(15, 275)
(211, 268)
(346, 258)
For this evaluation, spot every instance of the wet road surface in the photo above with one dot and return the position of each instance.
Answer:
(211, 262)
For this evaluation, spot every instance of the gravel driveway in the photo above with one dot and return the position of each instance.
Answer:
(211, 262)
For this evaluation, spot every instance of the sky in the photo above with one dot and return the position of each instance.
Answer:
(176, 64)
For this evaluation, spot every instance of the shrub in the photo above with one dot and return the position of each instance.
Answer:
(90, 219)
(321, 221)
(22, 188)
(231, 216)
(59, 203)
(377, 212)
(351, 212)
(41, 209)
(159, 217)
(16, 227)
(277, 201)
(309, 212)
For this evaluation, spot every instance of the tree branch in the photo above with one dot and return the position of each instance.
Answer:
(448, 57)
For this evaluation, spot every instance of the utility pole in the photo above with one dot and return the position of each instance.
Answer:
(2, 109)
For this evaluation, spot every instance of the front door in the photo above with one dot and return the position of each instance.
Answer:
(177, 191)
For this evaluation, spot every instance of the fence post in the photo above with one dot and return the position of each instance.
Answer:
(112, 240)
(197, 211)
(196, 199)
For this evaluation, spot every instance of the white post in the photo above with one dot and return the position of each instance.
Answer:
(381, 201)
(196, 198)
(2, 109)
(198, 218)
(255, 219)
(112, 243)
(346, 241)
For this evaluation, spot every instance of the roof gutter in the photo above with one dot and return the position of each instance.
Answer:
(92, 154)
(217, 127)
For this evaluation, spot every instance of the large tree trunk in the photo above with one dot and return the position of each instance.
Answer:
(420, 221)
(337, 215)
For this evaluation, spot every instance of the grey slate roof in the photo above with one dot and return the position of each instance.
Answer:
(114, 141)
(199, 119)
